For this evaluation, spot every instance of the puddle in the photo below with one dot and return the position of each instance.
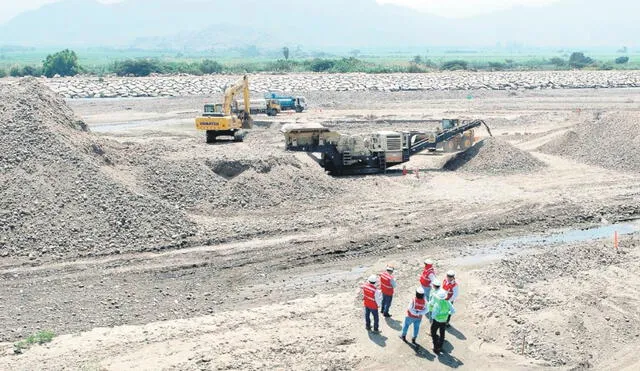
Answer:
(573, 235)
(515, 245)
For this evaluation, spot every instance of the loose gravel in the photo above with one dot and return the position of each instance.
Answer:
(494, 157)
(610, 140)
(56, 198)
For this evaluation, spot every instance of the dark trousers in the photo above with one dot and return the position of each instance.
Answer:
(367, 320)
(386, 303)
(438, 339)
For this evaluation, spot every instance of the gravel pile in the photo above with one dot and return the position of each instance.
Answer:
(56, 198)
(494, 157)
(610, 140)
(186, 85)
(249, 181)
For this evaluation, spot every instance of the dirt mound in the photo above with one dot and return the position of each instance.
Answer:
(609, 140)
(492, 156)
(56, 198)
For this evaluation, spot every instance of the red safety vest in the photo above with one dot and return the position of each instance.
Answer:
(369, 293)
(446, 285)
(424, 279)
(418, 305)
(385, 283)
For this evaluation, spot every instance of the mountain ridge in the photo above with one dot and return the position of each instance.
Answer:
(356, 23)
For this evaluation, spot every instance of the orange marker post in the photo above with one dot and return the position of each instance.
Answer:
(615, 240)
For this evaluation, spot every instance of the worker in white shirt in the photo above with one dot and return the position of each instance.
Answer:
(417, 309)
(450, 285)
(372, 297)
(436, 284)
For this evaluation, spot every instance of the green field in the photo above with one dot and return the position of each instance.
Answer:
(101, 61)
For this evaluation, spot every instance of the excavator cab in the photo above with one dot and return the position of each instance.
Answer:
(213, 110)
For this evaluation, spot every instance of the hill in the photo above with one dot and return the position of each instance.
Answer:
(356, 23)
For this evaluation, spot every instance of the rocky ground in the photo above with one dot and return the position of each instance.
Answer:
(185, 85)
(263, 267)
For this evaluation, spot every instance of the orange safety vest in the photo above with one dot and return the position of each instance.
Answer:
(369, 293)
(385, 283)
(418, 305)
(446, 285)
(424, 279)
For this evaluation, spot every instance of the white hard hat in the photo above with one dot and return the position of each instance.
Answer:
(436, 282)
(428, 262)
(451, 273)
(441, 294)
(373, 278)
(389, 268)
(420, 290)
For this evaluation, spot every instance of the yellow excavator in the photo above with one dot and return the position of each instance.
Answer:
(218, 120)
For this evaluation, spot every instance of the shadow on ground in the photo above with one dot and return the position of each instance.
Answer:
(379, 339)
(455, 332)
(394, 324)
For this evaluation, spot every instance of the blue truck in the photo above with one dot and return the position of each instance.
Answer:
(298, 104)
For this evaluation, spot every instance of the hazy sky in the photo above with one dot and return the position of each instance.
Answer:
(464, 8)
(449, 8)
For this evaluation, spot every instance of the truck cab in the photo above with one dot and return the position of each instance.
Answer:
(298, 103)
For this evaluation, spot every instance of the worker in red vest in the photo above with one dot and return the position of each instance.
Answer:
(417, 309)
(428, 275)
(372, 299)
(450, 285)
(387, 284)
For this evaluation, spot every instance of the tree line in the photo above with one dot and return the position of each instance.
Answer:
(65, 63)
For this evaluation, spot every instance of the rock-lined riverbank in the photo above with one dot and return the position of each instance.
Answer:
(187, 85)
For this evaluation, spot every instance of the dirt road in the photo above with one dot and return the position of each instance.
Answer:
(269, 278)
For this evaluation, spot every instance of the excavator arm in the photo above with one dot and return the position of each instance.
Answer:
(230, 93)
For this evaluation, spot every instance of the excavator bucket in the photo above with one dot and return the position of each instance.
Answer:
(247, 120)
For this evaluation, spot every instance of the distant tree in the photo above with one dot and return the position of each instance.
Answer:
(31, 71)
(355, 53)
(15, 71)
(285, 52)
(208, 66)
(64, 63)
(622, 60)
(417, 59)
(454, 65)
(579, 60)
(558, 61)
(3, 73)
(415, 68)
(321, 65)
(137, 67)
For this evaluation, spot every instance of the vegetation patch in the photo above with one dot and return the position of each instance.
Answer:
(41, 337)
